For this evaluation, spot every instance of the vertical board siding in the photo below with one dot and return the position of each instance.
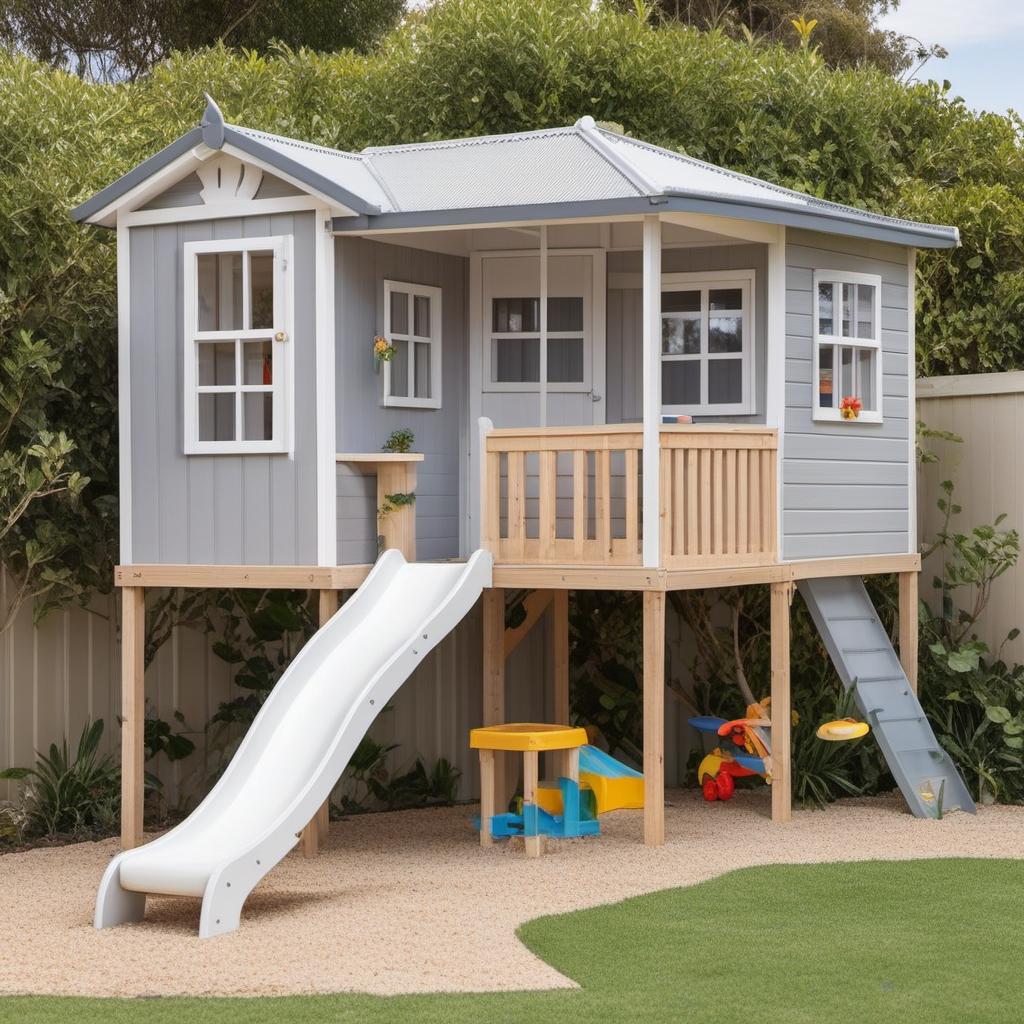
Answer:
(363, 424)
(987, 469)
(624, 384)
(845, 485)
(219, 509)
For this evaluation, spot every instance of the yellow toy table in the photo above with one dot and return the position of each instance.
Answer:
(530, 739)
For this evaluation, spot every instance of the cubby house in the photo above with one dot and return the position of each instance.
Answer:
(625, 369)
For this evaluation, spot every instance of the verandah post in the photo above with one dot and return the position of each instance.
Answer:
(651, 363)
(654, 717)
(133, 714)
(781, 705)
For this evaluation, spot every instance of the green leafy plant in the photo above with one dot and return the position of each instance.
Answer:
(71, 793)
(396, 501)
(400, 440)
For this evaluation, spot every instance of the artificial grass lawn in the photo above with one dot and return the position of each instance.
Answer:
(917, 941)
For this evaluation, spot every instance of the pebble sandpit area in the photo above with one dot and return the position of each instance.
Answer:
(408, 902)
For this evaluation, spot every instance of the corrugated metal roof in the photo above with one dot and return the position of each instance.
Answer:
(510, 170)
(579, 170)
(349, 170)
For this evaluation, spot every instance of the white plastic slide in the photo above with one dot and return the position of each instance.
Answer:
(299, 743)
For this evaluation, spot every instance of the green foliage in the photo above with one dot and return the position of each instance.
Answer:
(68, 794)
(396, 501)
(159, 737)
(114, 41)
(975, 701)
(369, 785)
(606, 664)
(400, 440)
(845, 32)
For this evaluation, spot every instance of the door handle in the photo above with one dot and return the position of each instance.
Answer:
(594, 396)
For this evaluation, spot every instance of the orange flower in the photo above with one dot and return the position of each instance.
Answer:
(383, 349)
(850, 407)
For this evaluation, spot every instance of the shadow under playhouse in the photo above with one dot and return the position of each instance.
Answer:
(626, 370)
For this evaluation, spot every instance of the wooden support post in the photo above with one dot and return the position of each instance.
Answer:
(560, 631)
(487, 809)
(316, 831)
(781, 707)
(654, 717)
(908, 626)
(133, 713)
(494, 688)
(397, 527)
(531, 776)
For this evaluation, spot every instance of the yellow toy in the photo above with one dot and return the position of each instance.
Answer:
(843, 729)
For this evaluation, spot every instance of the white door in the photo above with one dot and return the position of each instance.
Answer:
(523, 381)
(517, 380)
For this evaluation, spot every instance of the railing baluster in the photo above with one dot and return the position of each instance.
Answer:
(692, 497)
(632, 503)
(603, 502)
(754, 509)
(492, 517)
(742, 479)
(546, 527)
(678, 524)
(580, 512)
(705, 501)
(666, 511)
(717, 506)
(730, 502)
(517, 503)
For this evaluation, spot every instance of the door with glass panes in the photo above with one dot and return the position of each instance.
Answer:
(534, 380)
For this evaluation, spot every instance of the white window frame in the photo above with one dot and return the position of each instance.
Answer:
(283, 372)
(706, 281)
(592, 293)
(435, 340)
(833, 415)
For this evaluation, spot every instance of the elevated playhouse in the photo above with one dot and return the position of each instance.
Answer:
(627, 370)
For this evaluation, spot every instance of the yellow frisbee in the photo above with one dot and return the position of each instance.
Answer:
(843, 729)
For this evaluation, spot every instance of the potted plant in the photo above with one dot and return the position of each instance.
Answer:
(850, 407)
(383, 351)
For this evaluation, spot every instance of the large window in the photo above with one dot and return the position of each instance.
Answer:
(412, 323)
(707, 343)
(237, 346)
(847, 356)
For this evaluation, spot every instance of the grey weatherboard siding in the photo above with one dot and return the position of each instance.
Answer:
(363, 424)
(215, 509)
(845, 485)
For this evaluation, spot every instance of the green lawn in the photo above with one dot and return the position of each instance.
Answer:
(924, 941)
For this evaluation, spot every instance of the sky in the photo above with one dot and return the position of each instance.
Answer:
(985, 39)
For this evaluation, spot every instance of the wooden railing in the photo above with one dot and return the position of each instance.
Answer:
(572, 495)
(718, 496)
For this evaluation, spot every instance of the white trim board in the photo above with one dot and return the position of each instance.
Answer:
(775, 363)
(911, 401)
(219, 211)
(326, 410)
(124, 389)
(965, 385)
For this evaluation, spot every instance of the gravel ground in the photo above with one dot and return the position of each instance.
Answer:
(408, 902)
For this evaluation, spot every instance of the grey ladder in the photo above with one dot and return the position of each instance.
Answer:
(867, 664)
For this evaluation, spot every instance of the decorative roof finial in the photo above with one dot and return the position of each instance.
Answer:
(212, 124)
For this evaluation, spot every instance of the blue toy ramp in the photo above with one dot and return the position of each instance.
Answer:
(597, 762)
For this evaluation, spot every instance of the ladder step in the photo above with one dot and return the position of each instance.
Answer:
(900, 718)
(901, 680)
(936, 752)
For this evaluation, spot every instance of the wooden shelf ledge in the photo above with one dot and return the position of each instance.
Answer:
(365, 457)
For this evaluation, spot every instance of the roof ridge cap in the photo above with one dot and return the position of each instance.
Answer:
(587, 129)
(468, 140)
